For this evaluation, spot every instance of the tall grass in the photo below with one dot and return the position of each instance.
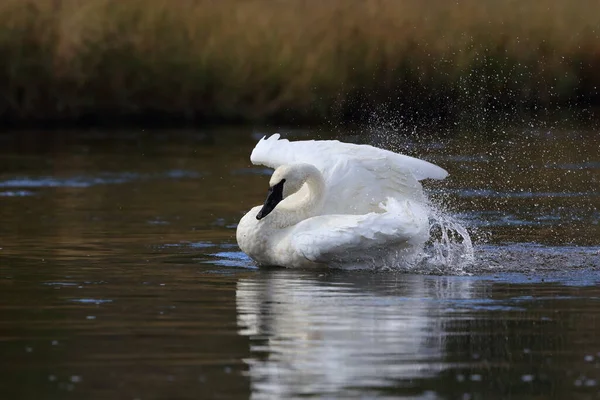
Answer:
(203, 60)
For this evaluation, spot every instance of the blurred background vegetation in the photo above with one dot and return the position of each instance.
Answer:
(306, 61)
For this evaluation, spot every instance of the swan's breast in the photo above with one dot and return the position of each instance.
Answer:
(268, 244)
(253, 236)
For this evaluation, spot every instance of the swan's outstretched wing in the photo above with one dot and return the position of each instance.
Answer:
(344, 239)
(324, 154)
(365, 174)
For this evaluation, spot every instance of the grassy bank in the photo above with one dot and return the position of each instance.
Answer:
(307, 60)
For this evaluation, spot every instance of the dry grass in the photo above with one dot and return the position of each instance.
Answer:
(310, 59)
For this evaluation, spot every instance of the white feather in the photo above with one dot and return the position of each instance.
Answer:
(324, 154)
(359, 239)
(355, 204)
(366, 174)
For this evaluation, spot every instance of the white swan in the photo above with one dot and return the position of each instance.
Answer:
(336, 204)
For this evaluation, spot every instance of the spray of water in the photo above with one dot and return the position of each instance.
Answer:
(450, 248)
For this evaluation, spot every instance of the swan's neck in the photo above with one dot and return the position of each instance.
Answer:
(305, 203)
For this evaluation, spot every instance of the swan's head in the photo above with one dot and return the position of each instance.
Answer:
(286, 180)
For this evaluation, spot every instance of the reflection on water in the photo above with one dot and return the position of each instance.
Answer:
(120, 277)
(350, 335)
(314, 335)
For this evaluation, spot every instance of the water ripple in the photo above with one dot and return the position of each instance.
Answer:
(17, 193)
(575, 166)
(85, 181)
(488, 193)
(231, 259)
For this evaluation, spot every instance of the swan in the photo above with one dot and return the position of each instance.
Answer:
(337, 204)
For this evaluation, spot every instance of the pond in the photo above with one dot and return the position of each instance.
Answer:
(120, 277)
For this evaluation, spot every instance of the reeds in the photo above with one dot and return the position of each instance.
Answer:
(248, 60)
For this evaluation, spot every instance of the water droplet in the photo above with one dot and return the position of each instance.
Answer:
(527, 378)
(76, 379)
(90, 317)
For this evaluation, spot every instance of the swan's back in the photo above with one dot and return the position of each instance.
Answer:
(358, 177)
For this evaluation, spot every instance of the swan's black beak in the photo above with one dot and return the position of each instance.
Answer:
(274, 196)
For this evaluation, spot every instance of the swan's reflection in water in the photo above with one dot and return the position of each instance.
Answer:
(343, 333)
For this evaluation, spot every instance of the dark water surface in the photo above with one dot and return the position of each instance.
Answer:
(120, 277)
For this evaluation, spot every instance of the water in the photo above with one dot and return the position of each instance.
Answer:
(120, 276)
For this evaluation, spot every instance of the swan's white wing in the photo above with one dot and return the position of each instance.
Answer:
(360, 185)
(358, 177)
(324, 154)
(352, 238)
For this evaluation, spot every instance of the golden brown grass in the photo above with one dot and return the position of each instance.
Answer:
(261, 59)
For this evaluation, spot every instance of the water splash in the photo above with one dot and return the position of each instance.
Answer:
(450, 248)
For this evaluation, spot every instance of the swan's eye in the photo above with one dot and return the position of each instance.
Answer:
(274, 196)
